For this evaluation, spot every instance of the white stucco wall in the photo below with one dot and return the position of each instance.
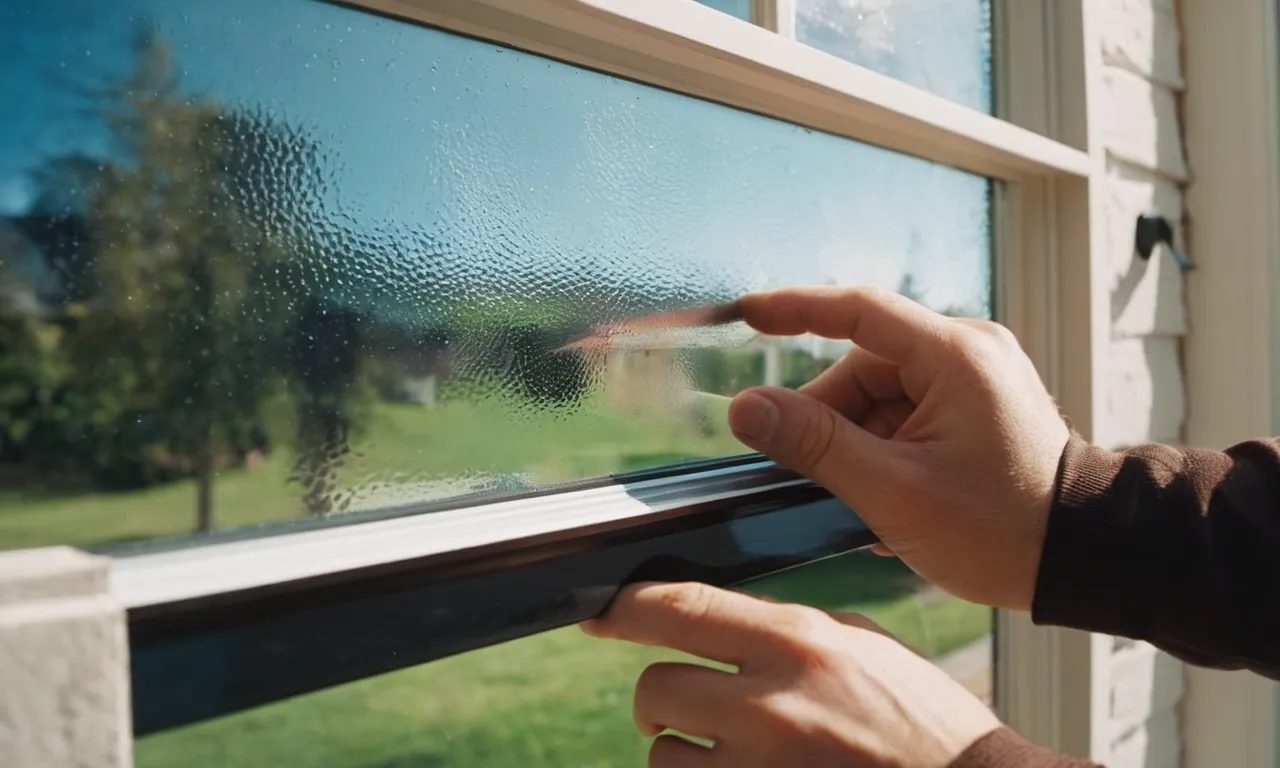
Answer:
(1145, 398)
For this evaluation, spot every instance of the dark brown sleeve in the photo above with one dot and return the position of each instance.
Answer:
(1003, 748)
(1177, 547)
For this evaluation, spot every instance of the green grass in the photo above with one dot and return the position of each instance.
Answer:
(556, 699)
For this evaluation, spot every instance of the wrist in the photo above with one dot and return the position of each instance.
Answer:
(1034, 528)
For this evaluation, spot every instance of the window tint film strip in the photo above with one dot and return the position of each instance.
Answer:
(237, 649)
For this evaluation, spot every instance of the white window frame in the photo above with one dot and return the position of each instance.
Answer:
(1231, 124)
(1051, 682)
(1051, 275)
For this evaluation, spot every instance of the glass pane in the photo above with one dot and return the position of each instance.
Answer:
(557, 699)
(941, 46)
(738, 8)
(275, 259)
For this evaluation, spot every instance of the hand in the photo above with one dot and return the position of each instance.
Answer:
(937, 431)
(812, 688)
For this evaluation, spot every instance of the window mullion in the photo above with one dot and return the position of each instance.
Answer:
(1052, 683)
(776, 15)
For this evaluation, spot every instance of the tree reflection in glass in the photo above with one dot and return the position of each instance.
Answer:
(265, 261)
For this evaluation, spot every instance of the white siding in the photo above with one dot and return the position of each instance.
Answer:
(1141, 84)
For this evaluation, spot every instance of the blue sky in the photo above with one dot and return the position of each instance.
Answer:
(504, 161)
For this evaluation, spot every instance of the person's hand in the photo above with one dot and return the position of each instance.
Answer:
(937, 431)
(811, 688)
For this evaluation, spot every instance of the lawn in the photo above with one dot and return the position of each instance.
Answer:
(557, 699)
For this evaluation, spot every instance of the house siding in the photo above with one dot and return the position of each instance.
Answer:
(1145, 398)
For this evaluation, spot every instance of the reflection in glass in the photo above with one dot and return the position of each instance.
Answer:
(941, 46)
(266, 259)
(739, 8)
(557, 699)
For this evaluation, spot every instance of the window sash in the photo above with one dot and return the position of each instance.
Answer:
(1042, 217)
(1053, 292)
(689, 48)
(322, 608)
(776, 16)
(157, 575)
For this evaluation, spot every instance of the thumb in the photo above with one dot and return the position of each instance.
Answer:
(808, 436)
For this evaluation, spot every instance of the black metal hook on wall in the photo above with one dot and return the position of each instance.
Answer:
(1152, 231)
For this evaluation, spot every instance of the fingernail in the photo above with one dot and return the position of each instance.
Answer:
(753, 417)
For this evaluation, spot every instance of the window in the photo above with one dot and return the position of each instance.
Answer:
(293, 293)
(942, 47)
(337, 316)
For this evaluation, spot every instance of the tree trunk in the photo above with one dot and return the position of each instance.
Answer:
(204, 485)
(204, 368)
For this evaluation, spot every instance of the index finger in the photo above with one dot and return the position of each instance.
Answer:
(886, 324)
(716, 624)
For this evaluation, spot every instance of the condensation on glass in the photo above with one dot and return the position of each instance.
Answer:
(941, 46)
(275, 259)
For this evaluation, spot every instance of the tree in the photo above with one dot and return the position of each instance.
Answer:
(329, 384)
(29, 366)
(175, 348)
(194, 293)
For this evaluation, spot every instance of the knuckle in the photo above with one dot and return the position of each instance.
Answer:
(962, 348)
(993, 339)
(818, 437)
(868, 292)
(1003, 335)
(974, 352)
(764, 710)
(779, 721)
(803, 633)
(653, 678)
(651, 686)
(692, 600)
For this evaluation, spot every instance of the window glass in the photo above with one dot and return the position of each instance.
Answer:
(739, 8)
(557, 699)
(276, 259)
(941, 46)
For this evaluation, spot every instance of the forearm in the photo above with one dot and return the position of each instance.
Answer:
(1180, 548)
(1004, 748)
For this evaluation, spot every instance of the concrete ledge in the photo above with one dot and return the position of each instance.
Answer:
(64, 700)
(51, 572)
